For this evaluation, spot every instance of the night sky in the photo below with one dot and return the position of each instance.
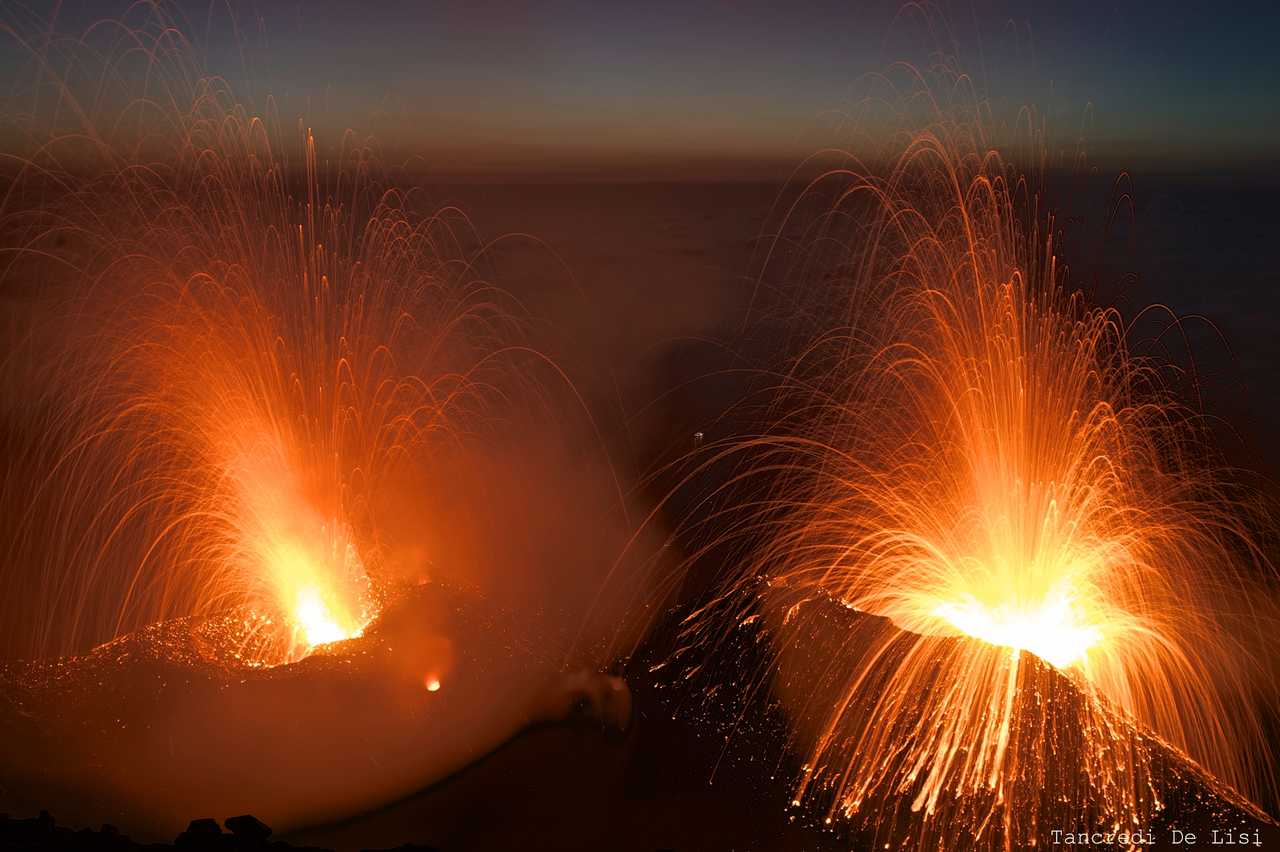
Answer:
(720, 89)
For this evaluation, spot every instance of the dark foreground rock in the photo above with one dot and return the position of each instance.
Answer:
(244, 832)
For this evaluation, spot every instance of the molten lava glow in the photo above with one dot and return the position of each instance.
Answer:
(317, 623)
(303, 565)
(1053, 629)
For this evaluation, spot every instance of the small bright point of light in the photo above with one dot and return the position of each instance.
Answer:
(1055, 631)
(433, 684)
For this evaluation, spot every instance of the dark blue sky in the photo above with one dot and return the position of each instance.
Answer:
(495, 86)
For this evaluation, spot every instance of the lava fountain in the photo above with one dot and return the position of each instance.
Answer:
(966, 448)
(278, 530)
(250, 339)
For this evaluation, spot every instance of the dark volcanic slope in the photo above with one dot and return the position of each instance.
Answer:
(1049, 727)
(703, 768)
